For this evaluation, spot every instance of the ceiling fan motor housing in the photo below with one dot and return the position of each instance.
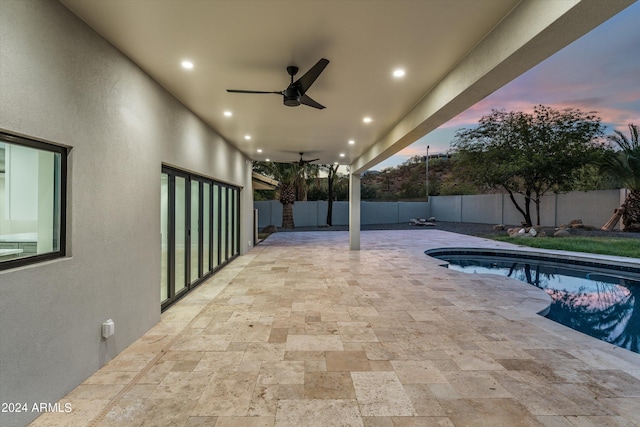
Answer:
(291, 97)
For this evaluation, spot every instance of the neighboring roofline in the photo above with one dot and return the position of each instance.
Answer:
(261, 182)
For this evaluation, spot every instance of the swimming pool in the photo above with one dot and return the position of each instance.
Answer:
(598, 299)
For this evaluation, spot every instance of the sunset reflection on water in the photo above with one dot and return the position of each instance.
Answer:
(598, 303)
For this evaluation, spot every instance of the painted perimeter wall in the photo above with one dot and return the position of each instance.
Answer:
(61, 82)
(592, 207)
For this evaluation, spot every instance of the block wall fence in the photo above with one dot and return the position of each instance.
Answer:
(592, 207)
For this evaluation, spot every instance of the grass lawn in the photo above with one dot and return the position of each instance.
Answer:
(618, 246)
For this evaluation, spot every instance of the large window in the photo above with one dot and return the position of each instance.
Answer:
(32, 201)
(199, 228)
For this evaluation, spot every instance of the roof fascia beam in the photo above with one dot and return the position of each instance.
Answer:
(531, 33)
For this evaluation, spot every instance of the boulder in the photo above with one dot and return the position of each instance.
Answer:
(561, 233)
(526, 232)
(513, 232)
(539, 231)
(577, 223)
(498, 227)
(432, 219)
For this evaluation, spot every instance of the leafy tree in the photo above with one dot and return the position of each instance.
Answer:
(341, 188)
(624, 165)
(308, 176)
(369, 192)
(590, 178)
(455, 188)
(331, 170)
(412, 173)
(527, 153)
(317, 190)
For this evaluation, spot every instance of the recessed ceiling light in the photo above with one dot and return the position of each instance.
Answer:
(367, 119)
(187, 65)
(398, 72)
(335, 163)
(247, 137)
(259, 150)
(228, 114)
(341, 154)
(267, 160)
(351, 142)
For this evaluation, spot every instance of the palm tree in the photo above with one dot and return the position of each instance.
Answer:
(288, 174)
(288, 198)
(624, 165)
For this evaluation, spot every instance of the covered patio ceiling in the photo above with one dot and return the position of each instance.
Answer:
(453, 53)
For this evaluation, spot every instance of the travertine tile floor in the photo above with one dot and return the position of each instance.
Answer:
(303, 332)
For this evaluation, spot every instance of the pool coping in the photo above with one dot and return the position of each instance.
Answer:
(621, 264)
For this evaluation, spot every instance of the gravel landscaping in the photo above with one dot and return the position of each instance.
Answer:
(471, 229)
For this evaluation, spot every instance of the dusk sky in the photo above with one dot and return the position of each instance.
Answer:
(599, 72)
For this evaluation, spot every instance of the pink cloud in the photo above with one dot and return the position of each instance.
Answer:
(599, 72)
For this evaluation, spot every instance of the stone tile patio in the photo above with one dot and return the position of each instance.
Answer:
(303, 332)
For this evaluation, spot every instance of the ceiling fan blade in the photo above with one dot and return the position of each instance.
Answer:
(304, 99)
(305, 162)
(305, 82)
(251, 91)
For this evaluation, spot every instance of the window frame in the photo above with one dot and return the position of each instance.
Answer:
(60, 214)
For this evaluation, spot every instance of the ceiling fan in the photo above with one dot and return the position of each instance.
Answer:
(295, 93)
(302, 162)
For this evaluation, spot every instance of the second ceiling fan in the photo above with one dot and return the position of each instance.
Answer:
(303, 162)
(295, 93)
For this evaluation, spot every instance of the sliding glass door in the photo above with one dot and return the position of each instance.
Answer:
(180, 227)
(199, 230)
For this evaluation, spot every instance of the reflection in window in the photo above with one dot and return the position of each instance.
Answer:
(32, 184)
(224, 226)
(164, 233)
(195, 230)
(216, 225)
(206, 226)
(181, 231)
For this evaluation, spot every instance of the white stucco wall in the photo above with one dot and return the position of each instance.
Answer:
(61, 82)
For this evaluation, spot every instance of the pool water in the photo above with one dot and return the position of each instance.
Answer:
(602, 303)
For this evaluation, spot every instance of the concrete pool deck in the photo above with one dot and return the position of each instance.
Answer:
(301, 331)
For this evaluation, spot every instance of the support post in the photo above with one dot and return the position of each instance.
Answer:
(426, 161)
(354, 212)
